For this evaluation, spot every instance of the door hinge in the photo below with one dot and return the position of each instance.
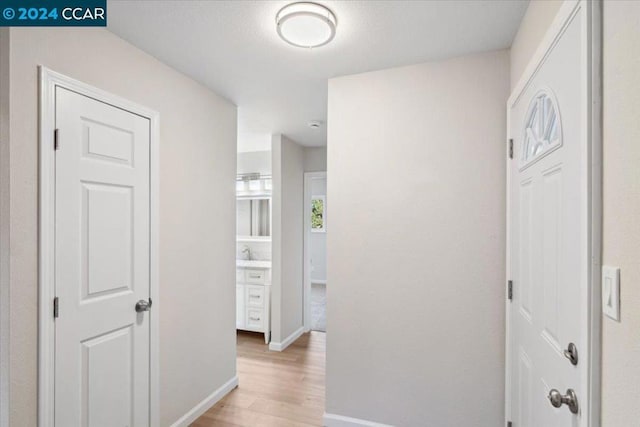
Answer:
(511, 148)
(510, 290)
(56, 310)
(55, 139)
(509, 424)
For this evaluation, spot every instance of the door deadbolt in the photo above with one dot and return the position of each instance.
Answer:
(570, 399)
(571, 353)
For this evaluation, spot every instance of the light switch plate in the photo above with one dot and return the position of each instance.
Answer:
(611, 292)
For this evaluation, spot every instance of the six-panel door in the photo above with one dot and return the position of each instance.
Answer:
(101, 264)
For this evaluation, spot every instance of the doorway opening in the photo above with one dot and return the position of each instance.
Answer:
(315, 251)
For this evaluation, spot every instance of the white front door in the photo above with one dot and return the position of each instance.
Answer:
(549, 234)
(101, 264)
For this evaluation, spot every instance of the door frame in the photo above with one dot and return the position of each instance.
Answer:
(592, 115)
(308, 178)
(49, 80)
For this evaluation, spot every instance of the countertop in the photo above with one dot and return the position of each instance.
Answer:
(246, 263)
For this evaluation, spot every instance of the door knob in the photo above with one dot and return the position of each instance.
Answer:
(570, 399)
(571, 353)
(143, 305)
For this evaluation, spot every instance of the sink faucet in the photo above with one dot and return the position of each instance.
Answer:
(247, 250)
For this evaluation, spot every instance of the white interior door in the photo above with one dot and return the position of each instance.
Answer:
(549, 230)
(102, 237)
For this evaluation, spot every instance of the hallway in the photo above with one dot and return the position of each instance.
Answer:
(276, 389)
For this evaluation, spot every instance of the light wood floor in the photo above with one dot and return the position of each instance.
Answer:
(277, 389)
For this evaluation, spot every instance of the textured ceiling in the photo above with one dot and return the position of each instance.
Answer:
(233, 48)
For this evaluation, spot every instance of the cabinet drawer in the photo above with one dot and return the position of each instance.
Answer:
(255, 318)
(255, 296)
(255, 276)
(239, 275)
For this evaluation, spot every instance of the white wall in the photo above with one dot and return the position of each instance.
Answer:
(4, 227)
(416, 260)
(287, 240)
(197, 210)
(254, 162)
(318, 241)
(534, 25)
(621, 244)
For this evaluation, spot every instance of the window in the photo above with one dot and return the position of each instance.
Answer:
(318, 214)
(543, 132)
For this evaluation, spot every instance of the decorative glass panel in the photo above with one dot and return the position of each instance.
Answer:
(543, 131)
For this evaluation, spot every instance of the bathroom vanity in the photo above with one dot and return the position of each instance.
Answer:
(253, 296)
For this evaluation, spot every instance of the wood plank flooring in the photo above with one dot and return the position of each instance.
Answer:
(277, 389)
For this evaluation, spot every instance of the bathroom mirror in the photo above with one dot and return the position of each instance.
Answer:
(253, 217)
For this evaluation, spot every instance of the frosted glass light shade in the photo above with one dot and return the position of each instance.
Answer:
(306, 24)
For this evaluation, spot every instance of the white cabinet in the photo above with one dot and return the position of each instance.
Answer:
(253, 305)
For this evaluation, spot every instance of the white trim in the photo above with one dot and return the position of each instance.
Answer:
(281, 346)
(154, 267)
(206, 403)
(308, 177)
(593, 115)
(49, 80)
(596, 206)
(333, 420)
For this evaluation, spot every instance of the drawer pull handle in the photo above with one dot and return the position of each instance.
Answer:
(255, 276)
(254, 296)
(254, 318)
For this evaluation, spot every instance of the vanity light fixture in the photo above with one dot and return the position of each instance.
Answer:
(306, 24)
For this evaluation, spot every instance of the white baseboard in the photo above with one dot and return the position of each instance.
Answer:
(280, 346)
(333, 420)
(207, 403)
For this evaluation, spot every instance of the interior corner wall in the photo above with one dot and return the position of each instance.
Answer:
(315, 159)
(621, 186)
(197, 211)
(287, 239)
(416, 252)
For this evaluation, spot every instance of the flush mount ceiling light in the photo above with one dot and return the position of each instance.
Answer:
(306, 24)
